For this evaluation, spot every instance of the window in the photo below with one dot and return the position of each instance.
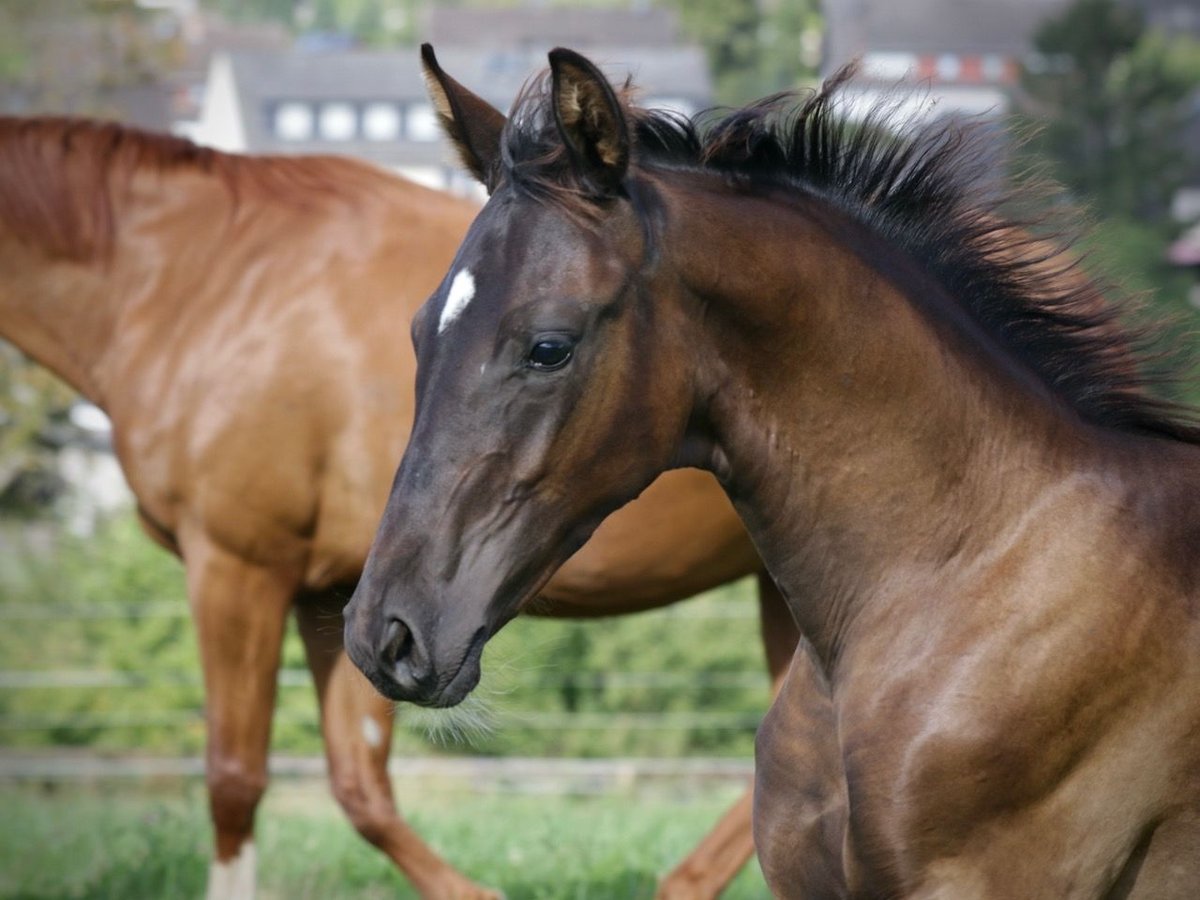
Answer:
(889, 65)
(381, 122)
(420, 123)
(339, 121)
(293, 121)
(948, 67)
(994, 68)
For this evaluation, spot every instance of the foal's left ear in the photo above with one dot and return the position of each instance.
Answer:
(591, 121)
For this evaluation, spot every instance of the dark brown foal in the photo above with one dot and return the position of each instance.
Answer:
(982, 519)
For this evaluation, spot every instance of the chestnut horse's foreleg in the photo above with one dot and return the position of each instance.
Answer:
(240, 611)
(725, 849)
(357, 724)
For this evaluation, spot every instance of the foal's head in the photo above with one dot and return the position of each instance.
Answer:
(549, 390)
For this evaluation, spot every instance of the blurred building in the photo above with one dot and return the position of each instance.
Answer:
(205, 34)
(956, 56)
(373, 104)
(540, 28)
(951, 56)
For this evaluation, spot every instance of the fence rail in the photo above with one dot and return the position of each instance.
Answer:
(120, 708)
(38, 612)
(52, 679)
(498, 775)
(528, 719)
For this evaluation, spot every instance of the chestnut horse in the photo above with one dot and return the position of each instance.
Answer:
(984, 523)
(237, 318)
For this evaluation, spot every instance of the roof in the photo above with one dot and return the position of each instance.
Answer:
(1001, 27)
(579, 29)
(265, 79)
(144, 104)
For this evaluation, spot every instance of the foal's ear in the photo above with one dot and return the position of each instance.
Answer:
(471, 123)
(591, 121)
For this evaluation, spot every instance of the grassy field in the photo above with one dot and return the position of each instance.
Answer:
(128, 842)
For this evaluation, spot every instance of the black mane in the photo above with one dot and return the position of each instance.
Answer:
(923, 190)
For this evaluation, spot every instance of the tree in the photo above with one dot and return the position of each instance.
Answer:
(63, 56)
(755, 47)
(31, 400)
(1109, 97)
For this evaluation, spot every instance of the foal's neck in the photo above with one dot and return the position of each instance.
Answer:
(861, 439)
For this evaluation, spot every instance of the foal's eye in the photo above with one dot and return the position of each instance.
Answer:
(548, 354)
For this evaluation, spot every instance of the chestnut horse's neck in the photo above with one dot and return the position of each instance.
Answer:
(864, 436)
(86, 236)
(110, 236)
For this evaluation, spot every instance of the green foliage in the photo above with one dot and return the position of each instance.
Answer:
(684, 680)
(140, 845)
(70, 605)
(109, 614)
(281, 11)
(1131, 254)
(754, 48)
(1110, 105)
(1109, 100)
(30, 399)
(63, 56)
(371, 22)
(1149, 87)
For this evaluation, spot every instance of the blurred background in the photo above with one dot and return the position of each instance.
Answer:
(644, 724)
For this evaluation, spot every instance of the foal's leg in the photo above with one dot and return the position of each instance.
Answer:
(240, 611)
(725, 849)
(1165, 864)
(357, 724)
(800, 802)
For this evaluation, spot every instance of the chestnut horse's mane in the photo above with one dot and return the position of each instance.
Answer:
(924, 189)
(59, 177)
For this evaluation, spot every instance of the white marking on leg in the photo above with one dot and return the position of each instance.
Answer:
(372, 733)
(462, 289)
(234, 879)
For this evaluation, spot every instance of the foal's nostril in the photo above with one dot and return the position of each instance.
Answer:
(397, 643)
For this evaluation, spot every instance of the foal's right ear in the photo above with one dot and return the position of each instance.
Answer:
(471, 123)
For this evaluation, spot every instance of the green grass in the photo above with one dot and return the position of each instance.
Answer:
(128, 842)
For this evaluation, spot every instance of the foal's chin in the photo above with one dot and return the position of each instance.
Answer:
(462, 682)
(443, 690)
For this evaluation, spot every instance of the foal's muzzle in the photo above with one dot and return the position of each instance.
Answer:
(397, 659)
